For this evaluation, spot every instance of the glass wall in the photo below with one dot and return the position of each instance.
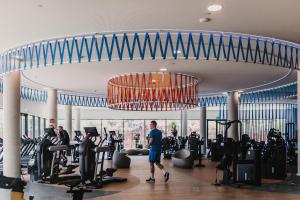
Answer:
(132, 128)
(173, 124)
(31, 126)
(161, 125)
(129, 128)
(214, 128)
(1, 123)
(37, 126)
(90, 123)
(112, 125)
(43, 125)
(24, 125)
(193, 126)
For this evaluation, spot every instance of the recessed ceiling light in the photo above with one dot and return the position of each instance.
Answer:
(240, 91)
(19, 58)
(163, 69)
(178, 51)
(224, 93)
(204, 19)
(214, 7)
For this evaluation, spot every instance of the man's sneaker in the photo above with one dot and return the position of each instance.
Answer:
(150, 180)
(166, 176)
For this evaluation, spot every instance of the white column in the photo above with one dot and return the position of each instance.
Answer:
(68, 119)
(52, 107)
(233, 114)
(203, 127)
(11, 124)
(298, 119)
(77, 119)
(184, 123)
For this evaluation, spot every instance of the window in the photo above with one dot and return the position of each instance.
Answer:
(193, 126)
(131, 128)
(42, 125)
(37, 126)
(1, 123)
(213, 128)
(91, 123)
(161, 125)
(31, 126)
(173, 123)
(112, 125)
(24, 124)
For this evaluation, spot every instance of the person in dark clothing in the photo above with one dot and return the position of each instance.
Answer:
(174, 132)
(64, 139)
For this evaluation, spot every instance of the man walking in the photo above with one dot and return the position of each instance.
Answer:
(155, 144)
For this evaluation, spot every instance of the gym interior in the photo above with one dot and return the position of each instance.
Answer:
(88, 88)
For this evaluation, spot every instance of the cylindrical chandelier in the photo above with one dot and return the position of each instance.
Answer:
(152, 91)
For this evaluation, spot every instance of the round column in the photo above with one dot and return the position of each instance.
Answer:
(184, 123)
(68, 119)
(11, 125)
(52, 107)
(298, 120)
(203, 127)
(233, 114)
(77, 119)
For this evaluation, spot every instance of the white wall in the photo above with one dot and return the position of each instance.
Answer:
(40, 109)
(32, 108)
(103, 113)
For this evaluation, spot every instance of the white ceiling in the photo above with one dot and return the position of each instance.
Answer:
(22, 21)
(215, 76)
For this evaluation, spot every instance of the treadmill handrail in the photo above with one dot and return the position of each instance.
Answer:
(73, 142)
(59, 148)
(102, 149)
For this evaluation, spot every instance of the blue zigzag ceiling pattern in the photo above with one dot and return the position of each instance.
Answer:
(196, 45)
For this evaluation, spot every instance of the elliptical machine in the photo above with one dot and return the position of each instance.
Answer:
(88, 159)
(39, 166)
(44, 166)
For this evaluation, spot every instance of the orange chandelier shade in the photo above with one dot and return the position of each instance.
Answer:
(152, 91)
